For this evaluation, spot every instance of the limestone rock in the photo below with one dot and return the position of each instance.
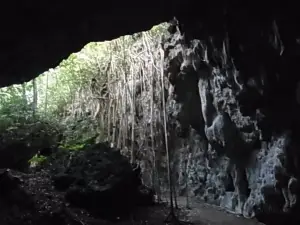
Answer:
(243, 149)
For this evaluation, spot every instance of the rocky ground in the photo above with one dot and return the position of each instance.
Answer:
(94, 186)
(205, 214)
(90, 186)
(34, 200)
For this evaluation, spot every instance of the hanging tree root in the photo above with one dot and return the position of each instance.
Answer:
(172, 219)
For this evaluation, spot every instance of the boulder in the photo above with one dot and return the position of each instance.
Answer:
(102, 181)
(16, 155)
(11, 191)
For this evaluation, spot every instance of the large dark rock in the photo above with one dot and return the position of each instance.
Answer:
(102, 181)
(16, 155)
(12, 193)
(29, 199)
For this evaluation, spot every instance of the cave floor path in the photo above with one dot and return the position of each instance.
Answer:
(201, 213)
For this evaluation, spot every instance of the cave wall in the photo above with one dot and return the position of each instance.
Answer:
(232, 105)
(235, 97)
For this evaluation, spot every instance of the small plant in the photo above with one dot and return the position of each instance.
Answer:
(74, 147)
(37, 160)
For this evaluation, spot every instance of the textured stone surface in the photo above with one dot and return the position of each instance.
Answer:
(242, 140)
(232, 121)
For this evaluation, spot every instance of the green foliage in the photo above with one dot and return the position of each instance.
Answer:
(73, 147)
(37, 160)
(68, 102)
(13, 109)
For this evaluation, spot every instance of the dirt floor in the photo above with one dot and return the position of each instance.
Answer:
(204, 214)
(51, 208)
(198, 214)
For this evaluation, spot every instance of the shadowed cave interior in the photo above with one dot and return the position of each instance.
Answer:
(96, 100)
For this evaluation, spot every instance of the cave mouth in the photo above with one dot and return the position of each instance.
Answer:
(81, 115)
(73, 102)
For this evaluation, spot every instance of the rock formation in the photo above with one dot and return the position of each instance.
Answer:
(239, 105)
(100, 180)
(96, 183)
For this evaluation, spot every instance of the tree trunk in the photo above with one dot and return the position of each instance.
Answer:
(35, 97)
(187, 171)
(24, 93)
(133, 106)
(173, 165)
(171, 218)
(46, 94)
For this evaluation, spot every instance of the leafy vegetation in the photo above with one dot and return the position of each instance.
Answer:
(37, 160)
(113, 92)
(73, 147)
(89, 95)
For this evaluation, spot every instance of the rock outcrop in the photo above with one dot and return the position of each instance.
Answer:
(100, 180)
(238, 105)
(19, 143)
(232, 122)
(92, 186)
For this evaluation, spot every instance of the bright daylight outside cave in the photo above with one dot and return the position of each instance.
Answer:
(195, 121)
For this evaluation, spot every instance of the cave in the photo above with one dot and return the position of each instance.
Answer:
(230, 91)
